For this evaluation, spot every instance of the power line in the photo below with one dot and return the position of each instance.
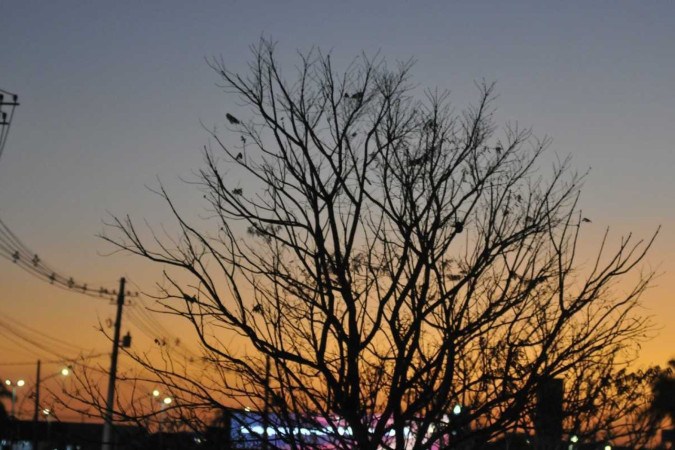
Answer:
(141, 315)
(8, 103)
(20, 344)
(31, 341)
(38, 339)
(53, 361)
(13, 249)
(10, 322)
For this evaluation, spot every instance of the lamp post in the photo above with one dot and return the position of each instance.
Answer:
(14, 386)
(64, 372)
(164, 402)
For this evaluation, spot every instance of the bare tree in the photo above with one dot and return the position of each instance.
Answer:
(380, 271)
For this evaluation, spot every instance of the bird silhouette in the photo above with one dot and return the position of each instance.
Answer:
(430, 125)
(498, 149)
(233, 120)
(357, 96)
(239, 156)
(586, 220)
(417, 161)
(459, 227)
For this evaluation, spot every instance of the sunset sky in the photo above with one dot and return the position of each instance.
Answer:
(115, 95)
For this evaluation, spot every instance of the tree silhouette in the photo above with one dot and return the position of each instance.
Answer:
(373, 261)
(4, 417)
(663, 391)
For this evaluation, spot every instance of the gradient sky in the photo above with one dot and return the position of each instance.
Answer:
(112, 95)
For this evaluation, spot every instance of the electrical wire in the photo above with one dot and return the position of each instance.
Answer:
(9, 323)
(21, 334)
(8, 103)
(144, 318)
(157, 335)
(19, 343)
(13, 249)
(13, 334)
(51, 362)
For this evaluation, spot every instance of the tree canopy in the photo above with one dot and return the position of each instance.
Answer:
(377, 261)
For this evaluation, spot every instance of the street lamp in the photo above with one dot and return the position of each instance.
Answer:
(14, 386)
(166, 401)
(64, 372)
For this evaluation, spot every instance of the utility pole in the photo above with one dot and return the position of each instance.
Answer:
(36, 413)
(266, 409)
(108, 417)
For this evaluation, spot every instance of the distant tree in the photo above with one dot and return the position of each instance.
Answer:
(605, 404)
(663, 391)
(4, 417)
(384, 268)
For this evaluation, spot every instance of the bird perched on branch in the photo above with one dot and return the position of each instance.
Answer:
(233, 120)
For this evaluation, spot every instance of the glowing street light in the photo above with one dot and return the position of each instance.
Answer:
(164, 402)
(64, 372)
(19, 383)
(14, 386)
